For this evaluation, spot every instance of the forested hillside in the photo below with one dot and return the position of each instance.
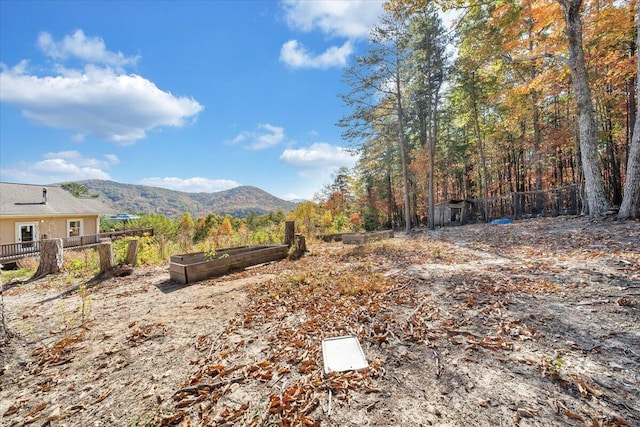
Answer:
(237, 202)
(533, 115)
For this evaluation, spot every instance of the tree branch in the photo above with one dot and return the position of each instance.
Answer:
(508, 58)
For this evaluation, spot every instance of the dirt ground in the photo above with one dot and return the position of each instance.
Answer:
(535, 323)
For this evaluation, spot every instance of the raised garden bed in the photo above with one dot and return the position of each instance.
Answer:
(335, 237)
(360, 238)
(189, 268)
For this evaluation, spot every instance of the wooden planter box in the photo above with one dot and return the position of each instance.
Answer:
(361, 238)
(189, 268)
(336, 237)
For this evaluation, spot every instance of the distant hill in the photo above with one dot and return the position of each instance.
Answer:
(238, 202)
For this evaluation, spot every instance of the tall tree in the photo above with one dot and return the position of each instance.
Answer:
(597, 200)
(476, 79)
(336, 196)
(378, 78)
(630, 207)
(78, 190)
(226, 229)
(596, 197)
(186, 230)
(524, 33)
(377, 167)
(428, 64)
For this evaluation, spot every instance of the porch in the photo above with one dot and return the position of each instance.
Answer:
(15, 251)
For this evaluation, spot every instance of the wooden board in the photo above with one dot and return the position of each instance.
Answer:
(189, 268)
(194, 257)
(336, 237)
(361, 238)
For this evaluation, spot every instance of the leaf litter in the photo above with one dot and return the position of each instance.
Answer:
(533, 323)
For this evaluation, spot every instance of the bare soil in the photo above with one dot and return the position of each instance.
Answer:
(534, 323)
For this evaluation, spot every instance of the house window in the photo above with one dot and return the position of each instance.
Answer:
(74, 227)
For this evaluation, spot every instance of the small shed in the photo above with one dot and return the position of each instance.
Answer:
(453, 212)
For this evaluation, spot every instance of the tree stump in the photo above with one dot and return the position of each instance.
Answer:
(106, 256)
(289, 232)
(298, 248)
(132, 252)
(51, 258)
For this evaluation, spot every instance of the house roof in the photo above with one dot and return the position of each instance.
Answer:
(28, 200)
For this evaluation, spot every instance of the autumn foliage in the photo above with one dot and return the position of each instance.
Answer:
(508, 119)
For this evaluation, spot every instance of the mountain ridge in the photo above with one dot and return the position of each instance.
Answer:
(237, 201)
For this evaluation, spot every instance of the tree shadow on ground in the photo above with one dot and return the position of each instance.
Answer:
(118, 271)
(169, 286)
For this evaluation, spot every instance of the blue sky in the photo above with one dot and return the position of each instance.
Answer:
(188, 95)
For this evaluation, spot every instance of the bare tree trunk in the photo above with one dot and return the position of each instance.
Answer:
(630, 207)
(390, 202)
(432, 204)
(403, 155)
(433, 139)
(51, 258)
(106, 256)
(537, 142)
(597, 201)
(483, 159)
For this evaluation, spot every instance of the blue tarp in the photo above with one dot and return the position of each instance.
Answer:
(122, 216)
(502, 221)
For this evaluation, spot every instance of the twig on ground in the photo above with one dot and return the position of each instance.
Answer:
(213, 343)
(397, 289)
(196, 388)
(438, 367)
(424, 301)
(599, 301)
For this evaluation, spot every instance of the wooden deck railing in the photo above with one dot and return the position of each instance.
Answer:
(14, 251)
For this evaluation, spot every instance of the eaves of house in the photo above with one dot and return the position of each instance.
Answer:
(27, 200)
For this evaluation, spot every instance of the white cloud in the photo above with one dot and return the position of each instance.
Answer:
(295, 55)
(78, 137)
(265, 136)
(100, 100)
(291, 196)
(341, 18)
(318, 155)
(19, 68)
(78, 159)
(112, 158)
(62, 166)
(242, 136)
(316, 164)
(115, 107)
(350, 19)
(67, 155)
(89, 49)
(191, 185)
(274, 136)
